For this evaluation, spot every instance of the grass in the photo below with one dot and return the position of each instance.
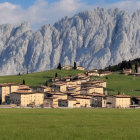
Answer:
(125, 84)
(39, 78)
(69, 124)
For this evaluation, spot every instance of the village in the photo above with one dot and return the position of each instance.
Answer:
(78, 91)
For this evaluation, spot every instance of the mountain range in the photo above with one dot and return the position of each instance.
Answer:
(92, 39)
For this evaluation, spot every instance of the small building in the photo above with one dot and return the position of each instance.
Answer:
(67, 67)
(92, 73)
(50, 102)
(44, 89)
(98, 100)
(6, 89)
(138, 70)
(82, 102)
(56, 79)
(127, 71)
(105, 73)
(67, 79)
(61, 87)
(25, 99)
(73, 83)
(80, 68)
(118, 101)
(53, 98)
(24, 88)
(74, 88)
(84, 79)
(92, 89)
(101, 83)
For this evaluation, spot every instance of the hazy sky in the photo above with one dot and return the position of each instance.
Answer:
(39, 12)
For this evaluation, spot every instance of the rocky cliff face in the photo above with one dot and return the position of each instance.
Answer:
(94, 39)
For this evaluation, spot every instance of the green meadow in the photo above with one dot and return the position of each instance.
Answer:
(69, 124)
(126, 84)
(38, 78)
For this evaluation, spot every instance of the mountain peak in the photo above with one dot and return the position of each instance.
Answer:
(93, 39)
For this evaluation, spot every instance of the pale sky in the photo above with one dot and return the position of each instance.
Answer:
(40, 12)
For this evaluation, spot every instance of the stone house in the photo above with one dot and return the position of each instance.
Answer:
(25, 99)
(6, 89)
(92, 73)
(92, 89)
(44, 89)
(118, 101)
(105, 73)
(98, 100)
(127, 71)
(67, 67)
(80, 68)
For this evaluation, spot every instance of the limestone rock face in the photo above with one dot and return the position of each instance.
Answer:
(93, 39)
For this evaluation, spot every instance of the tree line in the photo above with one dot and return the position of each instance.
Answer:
(131, 64)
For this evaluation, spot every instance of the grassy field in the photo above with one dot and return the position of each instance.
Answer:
(125, 84)
(69, 124)
(39, 78)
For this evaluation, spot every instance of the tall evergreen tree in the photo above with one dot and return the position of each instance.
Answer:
(59, 66)
(119, 92)
(75, 66)
(46, 84)
(129, 65)
(23, 82)
(109, 68)
(136, 67)
(56, 75)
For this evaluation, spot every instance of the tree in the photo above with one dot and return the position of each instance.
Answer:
(75, 66)
(27, 71)
(59, 66)
(106, 77)
(119, 93)
(136, 67)
(123, 65)
(46, 84)
(129, 64)
(19, 74)
(109, 68)
(23, 82)
(56, 75)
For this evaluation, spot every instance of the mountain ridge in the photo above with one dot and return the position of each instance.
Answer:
(93, 39)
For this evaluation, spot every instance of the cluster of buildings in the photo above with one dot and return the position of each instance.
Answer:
(131, 72)
(70, 92)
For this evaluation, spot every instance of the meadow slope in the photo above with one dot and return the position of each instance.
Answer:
(38, 78)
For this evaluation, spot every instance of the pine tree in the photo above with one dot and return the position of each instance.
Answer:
(23, 82)
(129, 65)
(109, 68)
(46, 84)
(119, 93)
(59, 66)
(136, 67)
(56, 75)
(75, 66)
